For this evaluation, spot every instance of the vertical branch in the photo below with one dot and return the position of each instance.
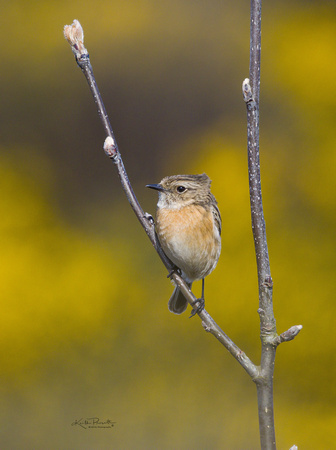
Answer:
(257, 214)
(268, 334)
(251, 90)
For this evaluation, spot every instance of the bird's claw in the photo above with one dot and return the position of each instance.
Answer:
(175, 269)
(149, 217)
(198, 308)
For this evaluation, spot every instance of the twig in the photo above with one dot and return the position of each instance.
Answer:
(75, 36)
(269, 338)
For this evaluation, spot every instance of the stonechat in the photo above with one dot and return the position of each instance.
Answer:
(188, 225)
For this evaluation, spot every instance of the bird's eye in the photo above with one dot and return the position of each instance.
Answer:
(180, 189)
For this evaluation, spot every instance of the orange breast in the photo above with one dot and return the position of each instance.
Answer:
(188, 237)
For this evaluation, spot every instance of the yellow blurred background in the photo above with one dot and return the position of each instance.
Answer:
(85, 329)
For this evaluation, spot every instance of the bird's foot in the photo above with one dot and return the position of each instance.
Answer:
(200, 306)
(175, 269)
(149, 217)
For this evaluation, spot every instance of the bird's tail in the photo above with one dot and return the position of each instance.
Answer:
(177, 303)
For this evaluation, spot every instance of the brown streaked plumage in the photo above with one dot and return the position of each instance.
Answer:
(188, 226)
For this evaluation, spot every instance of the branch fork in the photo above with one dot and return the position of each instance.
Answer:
(75, 35)
(262, 375)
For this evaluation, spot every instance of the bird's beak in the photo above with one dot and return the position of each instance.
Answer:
(157, 187)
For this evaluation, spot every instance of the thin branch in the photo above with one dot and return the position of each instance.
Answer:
(268, 334)
(263, 375)
(251, 90)
(75, 36)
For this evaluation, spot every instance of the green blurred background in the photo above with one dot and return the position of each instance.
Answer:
(85, 329)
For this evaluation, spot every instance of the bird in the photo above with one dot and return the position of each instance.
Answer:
(188, 226)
